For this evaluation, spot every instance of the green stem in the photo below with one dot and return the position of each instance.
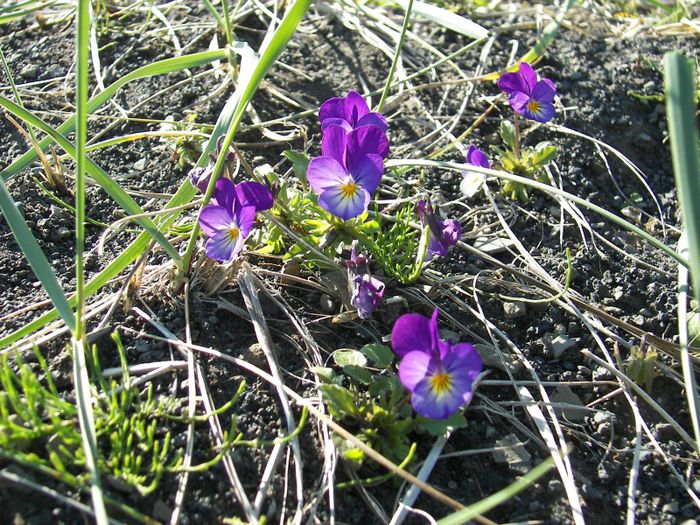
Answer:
(420, 255)
(516, 135)
(397, 55)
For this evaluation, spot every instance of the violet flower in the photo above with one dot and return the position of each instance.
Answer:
(367, 291)
(529, 95)
(227, 222)
(439, 374)
(349, 112)
(349, 171)
(476, 157)
(199, 177)
(443, 233)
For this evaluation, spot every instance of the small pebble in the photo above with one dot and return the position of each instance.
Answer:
(514, 310)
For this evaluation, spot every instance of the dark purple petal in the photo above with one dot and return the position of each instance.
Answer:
(544, 91)
(355, 108)
(199, 177)
(335, 201)
(324, 173)
(436, 246)
(332, 108)
(374, 119)
(367, 171)
(334, 121)
(411, 333)
(222, 247)
(367, 140)
(334, 143)
(476, 157)
(519, 101)
(511, 83)
(214, 219)
(529, 77)
(539, 111)
(413, 368)
(225, 194)
(244, 217)
(434, 332)
(254, 194)
(367, 294)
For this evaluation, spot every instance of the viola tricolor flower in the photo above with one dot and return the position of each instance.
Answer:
(439, 374)
(349, 112)
(529, 95)
(476, 157)
(366, 291)
(443, 233)
(227, 222)
(348, 173)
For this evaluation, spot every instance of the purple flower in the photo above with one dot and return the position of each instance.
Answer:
(529, 95)
(443, 233)
(227, 222)
(367, 291)
(199, 177)
(349, 112)
(349, 171)
(439, 374)
(476, 157)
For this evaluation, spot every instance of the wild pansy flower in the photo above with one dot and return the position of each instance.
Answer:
(199, 177)
(439, 374)
(228, 221)
(443, 233)
(349, 171)
(349, 113)
(367, 291)
(476, 157)
(529, 95)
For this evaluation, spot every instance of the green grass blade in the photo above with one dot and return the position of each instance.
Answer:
(157, 68)
(36, 257)
(101, 177)
(680, 108)
(500, 497)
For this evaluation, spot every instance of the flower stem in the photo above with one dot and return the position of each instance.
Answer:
(516, 135)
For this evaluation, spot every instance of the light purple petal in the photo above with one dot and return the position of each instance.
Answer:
(367, 294)
(476, 157)
(511, 83)
(225, 193)
(254, 194)
(214, 219)
(367, 140)
(435, 406)
(367, 171)
(244, 217)
(374, 119)
(540, 112)
(413, 368)
(324, 173)
(518, 101)
(529, 76)
(333, 200)
(544, 91)
(199, 177)
(334, 143)
(222, 248)
(334, 121)
(411, 332)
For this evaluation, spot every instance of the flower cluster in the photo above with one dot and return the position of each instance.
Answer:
(529, 95)
(353, 150)
(443, 233)
(366, 291)
(439, 374)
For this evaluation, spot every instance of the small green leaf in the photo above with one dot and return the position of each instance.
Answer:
(380, 355)
(544, 153)
(438, 427)
(355, 455)
(358, 373)
(339, 400)
(348, 356)
(507, 132)
(325, 374)
(380, 386)
(300, 163)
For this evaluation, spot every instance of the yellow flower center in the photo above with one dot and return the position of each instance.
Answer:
(233, 233)
(349, 189)
(441, 382)
(533, 106)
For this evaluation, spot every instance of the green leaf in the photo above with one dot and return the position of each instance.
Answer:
(340, 401)
(325, 374)
(507, 132)
(300, 163)
(348, 356)
(379, 354)
(544, 153)
(355, 455)
(358, 373)
(437, 427)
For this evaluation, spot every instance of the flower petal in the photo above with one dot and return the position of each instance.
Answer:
(334, 143)
(222, 248)
(244, 218)
(254, 194)
(511, 83)
(518, 101)
(367, 171)
(476, 157)
(411, 332)
(539, 111)
(324, 173)
(214, 219)
(355, 107)
(334, 201)
(544, 91)
(367, 140)
(335, 121)
(225, 193)
(529, 77)
(414, 368)
(428, 403)
(374, 119)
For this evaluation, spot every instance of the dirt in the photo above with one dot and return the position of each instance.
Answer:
(595, 70)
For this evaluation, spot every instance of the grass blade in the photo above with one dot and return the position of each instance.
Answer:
(680, 107)
(446, 19)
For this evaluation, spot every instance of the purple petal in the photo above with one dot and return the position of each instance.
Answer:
(367, 294)
(367, 140)
(476, 157)
(222, 248)
(518, 101)
(413, 368)
(355, 108)
(431, 404)
(334, 121)
(225, 194)
(434, 331)
(254, 194)
(529, 76)
(436, 246)
(540, 112)
(374, 119)
(214, 219)
(334, 143)
(199, 177)
(367, 171)
(324, 173)
(411, 333)
(451, 231)
(244, 216)
(544, 91)
(511, 83)
(332, 108)
(334, 201)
